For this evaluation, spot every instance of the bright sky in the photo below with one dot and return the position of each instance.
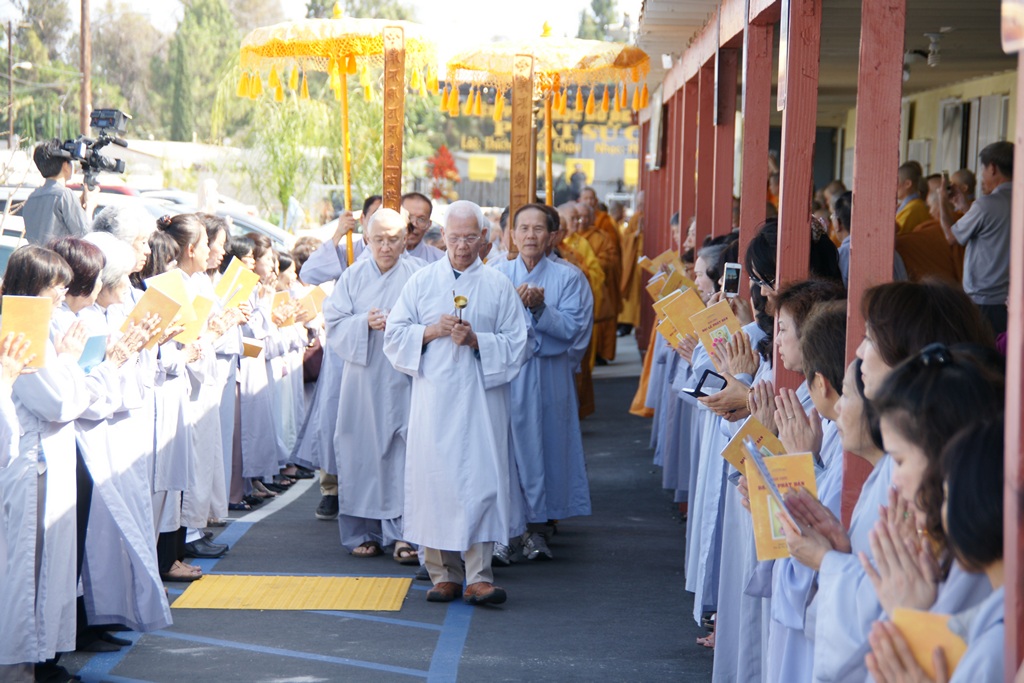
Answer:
(455, 24)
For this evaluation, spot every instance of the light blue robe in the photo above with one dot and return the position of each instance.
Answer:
(844, 588)
(546, 441)
(328, 262)
(656, 387)
(983, 661)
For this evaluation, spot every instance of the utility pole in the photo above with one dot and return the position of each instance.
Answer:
(10, 84)
(86, 65)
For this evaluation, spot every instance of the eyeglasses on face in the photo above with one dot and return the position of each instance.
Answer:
(469, 241)
(419, 221)
(758, 282)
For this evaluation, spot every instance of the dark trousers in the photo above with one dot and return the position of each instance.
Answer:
(996, 316)
(170, 547)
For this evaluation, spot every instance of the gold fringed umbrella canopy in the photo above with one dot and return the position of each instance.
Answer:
(557, 64)
(281, 55)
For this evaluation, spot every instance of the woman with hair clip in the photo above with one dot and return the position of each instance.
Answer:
(38, 619)
(120, 579)
(900, 317)
(972, 518)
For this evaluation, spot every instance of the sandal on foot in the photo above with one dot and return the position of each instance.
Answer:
(369, 549)
(260, 490)
(182, 573)
(406, 554)
(283, 480)
(239, 507)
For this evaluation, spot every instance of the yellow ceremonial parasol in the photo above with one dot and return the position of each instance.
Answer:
(557, 64)
(344, 46)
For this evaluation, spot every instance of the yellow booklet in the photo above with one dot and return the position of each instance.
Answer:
(681, 308)
(660, 304)
(655, 284)
(672, 282)
(313, 302)
(202, 306)
(251, 348)
(30, 316)
(647, 264)
(667, 330)
(280, 299)
(736, 452)
(153, 301)
(715, 325)
(785, 472)
(236, 285)
(653, 265)
(173, 285)
(925, 631)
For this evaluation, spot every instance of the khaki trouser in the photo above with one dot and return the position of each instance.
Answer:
(446, 565)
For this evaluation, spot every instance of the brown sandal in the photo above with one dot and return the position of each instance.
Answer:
(370, 548)
(405, 554)
(182, 573)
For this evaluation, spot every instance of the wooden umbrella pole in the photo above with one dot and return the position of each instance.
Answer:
(549, 186)
(522, 135)
(394, 116)
(346, 165)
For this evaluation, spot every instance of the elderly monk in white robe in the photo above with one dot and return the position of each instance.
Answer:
(457, 460)
(546, 439)
(374, 407)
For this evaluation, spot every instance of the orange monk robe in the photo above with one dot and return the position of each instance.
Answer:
(925, 252)
(604, 239)
(575, 249)
(629, 284)
(912, 215)
(639, 405)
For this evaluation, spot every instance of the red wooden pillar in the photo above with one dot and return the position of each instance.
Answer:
(1013, 530)
(757, 92)
(725, 142)
(705, 153)
(644, 185)
(875, 160)
(798, 128)
(677, 153)
(688, 156)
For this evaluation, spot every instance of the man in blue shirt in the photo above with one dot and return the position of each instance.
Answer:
(52, 211)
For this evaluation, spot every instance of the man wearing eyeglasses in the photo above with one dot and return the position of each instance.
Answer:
(461, 361)
(419, 208)
(371, 475)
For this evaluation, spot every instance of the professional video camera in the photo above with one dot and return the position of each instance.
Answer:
(110, 123)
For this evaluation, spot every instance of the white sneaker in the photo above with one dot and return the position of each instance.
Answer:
(502, 555)
(535, 547)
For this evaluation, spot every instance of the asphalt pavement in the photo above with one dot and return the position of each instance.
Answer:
(610, 606)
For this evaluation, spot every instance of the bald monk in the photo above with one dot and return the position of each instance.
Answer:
(600, 231)
(629, 284)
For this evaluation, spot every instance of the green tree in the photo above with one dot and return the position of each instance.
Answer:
(594, 22)
(203, 53)
(49, 20)
(250, 14)
(124, 46)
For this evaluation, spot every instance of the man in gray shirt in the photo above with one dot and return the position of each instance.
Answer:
(52, 211)
(985, 232)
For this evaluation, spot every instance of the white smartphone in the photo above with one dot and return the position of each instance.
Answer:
(731, 279)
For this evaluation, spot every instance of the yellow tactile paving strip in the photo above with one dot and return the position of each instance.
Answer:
(226, 591)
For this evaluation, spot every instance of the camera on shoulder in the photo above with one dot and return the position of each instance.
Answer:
(110, 124)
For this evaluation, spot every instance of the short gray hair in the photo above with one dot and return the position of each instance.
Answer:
(381, 214)
(120, 258)
(464, 209)
(124, 222)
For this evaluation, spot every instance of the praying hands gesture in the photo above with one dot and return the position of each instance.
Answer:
(14, 356)
(73, 342)
(891, 661)
(376, 319)
(798, 431)
(280, 315)
(442, 328)
(172, 330)
(530, 296)
(819, 530)
(686, 346)
(761, 403)
(132, 341)
(738, 355)
(907, 573)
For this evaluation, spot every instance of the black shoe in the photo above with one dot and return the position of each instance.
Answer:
(51, 672)
(93, 644)
(623, 330)
(112, 639)
(204, 549)
(302, 473)
(422, 574)
(600, 361)
(328, 508)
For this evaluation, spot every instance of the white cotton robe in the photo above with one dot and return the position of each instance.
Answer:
(546, 441)
(374, 409)
(38, 617)
(456, 474)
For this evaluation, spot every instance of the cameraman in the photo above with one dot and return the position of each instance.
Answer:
(52, 211)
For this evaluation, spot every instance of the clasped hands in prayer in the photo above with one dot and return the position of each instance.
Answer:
(736, 357)
(530, 296)
(460, 331)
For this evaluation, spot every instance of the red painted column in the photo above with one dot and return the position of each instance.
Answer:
(705, 153)
(677, 152)
(725, 141)
(876, 158)
(757, 93)
(798, 128)
(643, 335)
(1013, 530)
(688, 155)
